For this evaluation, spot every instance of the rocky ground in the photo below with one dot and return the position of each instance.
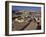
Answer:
(26, 25)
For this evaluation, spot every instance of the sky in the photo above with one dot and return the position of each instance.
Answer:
(31, 8)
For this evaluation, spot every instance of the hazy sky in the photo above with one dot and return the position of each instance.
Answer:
(15, 8)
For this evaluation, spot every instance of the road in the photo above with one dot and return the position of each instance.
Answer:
(30, 25)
